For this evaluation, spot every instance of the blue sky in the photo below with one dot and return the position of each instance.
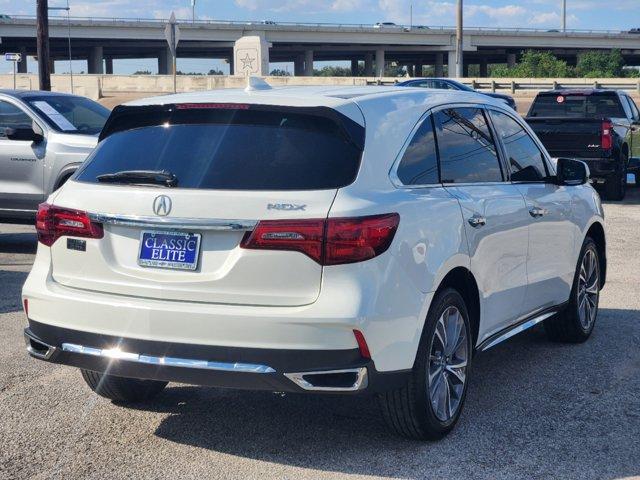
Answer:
(582, 14)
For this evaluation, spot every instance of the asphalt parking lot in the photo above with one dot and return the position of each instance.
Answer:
(535, 409)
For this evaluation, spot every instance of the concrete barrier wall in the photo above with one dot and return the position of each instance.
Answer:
(97, 86)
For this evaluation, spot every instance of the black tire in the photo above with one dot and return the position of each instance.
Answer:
(615, 187)
(408, 411)
(120, 389)
(567, 325)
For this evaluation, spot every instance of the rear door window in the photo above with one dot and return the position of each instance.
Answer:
(467, 150)
(419, 164)
(525, 159)
(233, 150)
(577, 105)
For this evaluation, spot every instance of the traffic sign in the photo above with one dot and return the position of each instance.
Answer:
(172, 34)
(13, 57)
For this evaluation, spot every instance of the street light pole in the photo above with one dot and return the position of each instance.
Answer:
(564, 15)
(42, 43)
(459, 42)
(193, 11)
(67, 8)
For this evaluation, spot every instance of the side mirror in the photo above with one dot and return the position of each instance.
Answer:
(24, 133)
(572, 172)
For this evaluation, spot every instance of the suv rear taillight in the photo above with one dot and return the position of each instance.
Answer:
(606, 139)
(332, 241)
(54, 222)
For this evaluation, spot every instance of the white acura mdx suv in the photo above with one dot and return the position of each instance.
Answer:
(313, 239)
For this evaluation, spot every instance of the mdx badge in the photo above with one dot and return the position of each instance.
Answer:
(162, 205)
(285, 206)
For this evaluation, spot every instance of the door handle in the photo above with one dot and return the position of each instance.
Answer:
(537, 212)
(477, 221)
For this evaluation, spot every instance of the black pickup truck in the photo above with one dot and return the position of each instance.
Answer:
(599, 127)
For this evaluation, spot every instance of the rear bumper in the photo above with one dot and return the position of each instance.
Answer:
(602, 167)
(301, 371)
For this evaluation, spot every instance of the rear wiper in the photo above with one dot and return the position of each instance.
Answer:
(151, 177)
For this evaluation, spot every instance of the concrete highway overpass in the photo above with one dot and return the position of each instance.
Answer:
(100, 41)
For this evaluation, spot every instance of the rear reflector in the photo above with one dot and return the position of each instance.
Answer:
(332, 241)
(26, 306)
(606, 141)
(54, 222)
(362, 344)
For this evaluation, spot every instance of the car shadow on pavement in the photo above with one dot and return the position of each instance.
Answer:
(18, 243)
(535, 408)
(11, 282)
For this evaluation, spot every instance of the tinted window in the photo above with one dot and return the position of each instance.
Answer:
(577, 105)
(525, 158)
(467, 151)
(11, 116)
(70, 114)
(419, 164)
(234, 150)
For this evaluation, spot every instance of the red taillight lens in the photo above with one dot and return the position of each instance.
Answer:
(333, 241)
(351, 240)
(54, 222)
(295, 235)
(26, 306)
(606, 140)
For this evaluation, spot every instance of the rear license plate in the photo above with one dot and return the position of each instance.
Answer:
(176, 250)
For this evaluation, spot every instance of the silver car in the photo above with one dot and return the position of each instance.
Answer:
(44, 137)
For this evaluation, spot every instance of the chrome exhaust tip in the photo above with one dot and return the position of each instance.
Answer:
(37, 348)
(347, 380)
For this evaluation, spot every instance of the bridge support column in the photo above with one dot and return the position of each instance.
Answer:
(368, 65)
(418, 69)
(251, 56)
(108, 63)
(354, 67)
(22, 64)
(511, 60)
(298, 65)
(451, 64)
(165, 62)
(380, 62)
(484, 68)
(465, 69)
(308, 63)
(438, 67)
(94, 63)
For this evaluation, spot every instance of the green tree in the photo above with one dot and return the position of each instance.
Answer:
(142, 72)
(332, 71)
(600, 64)
(537, 65)
(278, 72)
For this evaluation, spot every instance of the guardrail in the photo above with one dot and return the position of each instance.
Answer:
(95, 86)
(274, 24)
(515, 85)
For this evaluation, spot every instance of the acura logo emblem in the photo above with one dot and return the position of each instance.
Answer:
(162, 205)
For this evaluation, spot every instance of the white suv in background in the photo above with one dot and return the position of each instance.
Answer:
(313, 239)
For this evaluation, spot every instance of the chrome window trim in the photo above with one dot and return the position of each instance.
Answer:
(117, 354)
(176, 223)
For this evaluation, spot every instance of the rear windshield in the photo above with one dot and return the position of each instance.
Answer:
(572, 105)
(233, 150)
(66, 113)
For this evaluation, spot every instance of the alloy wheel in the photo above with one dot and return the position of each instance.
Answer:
(448, 360)
(588, 289)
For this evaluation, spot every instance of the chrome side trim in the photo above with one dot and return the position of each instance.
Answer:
(361, 382)
(516, 330)
(44, 354)
(175, 223)
(117, 354)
